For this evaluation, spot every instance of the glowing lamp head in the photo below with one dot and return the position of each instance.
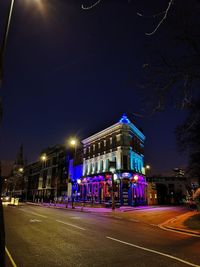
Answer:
(78, 181)
(43, 157)
(21, 170)
(135, 177)
(73, 142)
(148, 167)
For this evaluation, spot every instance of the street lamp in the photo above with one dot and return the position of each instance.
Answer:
(43, 159)
(112, 169)
(21, 170)
(148, 167)
(72, 143)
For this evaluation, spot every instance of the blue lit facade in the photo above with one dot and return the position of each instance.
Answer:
(117, 150)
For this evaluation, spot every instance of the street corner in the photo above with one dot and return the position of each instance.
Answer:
(187, 223)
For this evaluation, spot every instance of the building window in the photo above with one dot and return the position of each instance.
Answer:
(104, 143)
(101, 165)
(89, 167)
(96, 166)
(86, 169)
(110, 140)
(107, 165)
(125, 162)
(114, 141)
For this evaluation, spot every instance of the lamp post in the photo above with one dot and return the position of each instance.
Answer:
(21, 174)
(112, 169)
(43, 159)
(72, 143)
(148, 167)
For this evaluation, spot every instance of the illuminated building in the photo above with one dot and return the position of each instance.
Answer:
(117, 150)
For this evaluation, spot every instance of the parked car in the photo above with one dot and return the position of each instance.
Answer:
(5, 198)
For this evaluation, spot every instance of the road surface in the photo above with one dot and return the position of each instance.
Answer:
(47, 237)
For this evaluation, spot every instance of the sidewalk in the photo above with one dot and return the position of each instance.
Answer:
(92, 209)
(188, 222)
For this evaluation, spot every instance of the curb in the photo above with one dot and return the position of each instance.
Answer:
(165, 226)
(181, 230)
(63, 208)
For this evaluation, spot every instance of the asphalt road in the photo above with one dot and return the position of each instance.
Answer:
(40, 237)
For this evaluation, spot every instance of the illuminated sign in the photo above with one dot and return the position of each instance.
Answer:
(126, 174)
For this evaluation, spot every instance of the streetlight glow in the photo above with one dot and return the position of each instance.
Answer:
(78, 181)
(43, 157)
(21, 170)
(148, 167)
(73, 142)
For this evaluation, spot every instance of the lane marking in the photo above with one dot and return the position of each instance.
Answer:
(154, 251)
(72, 225)
(75, 218)
(35, 220)
(134, 220)
(34, 213)
(118, 217)
(10, 257)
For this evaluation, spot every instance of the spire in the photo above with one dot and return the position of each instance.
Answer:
(124, 119)
(20, 156)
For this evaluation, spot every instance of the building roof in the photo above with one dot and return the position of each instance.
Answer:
(109, 130)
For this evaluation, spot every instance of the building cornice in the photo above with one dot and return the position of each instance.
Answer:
(102, 133)
(111, 129)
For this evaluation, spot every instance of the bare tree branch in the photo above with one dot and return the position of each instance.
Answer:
(162, 20)
(91, 6)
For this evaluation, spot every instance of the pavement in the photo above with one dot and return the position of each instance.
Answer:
(188, 222)
(92, 209)
(59, 237)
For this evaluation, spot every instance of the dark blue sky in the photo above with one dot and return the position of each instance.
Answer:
(70, 71)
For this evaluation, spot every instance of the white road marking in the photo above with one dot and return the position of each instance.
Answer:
(75, 218)
(72, 225)
(34, 220)
(134, 220)
(34, 213)
(154, 251)
(118, 217)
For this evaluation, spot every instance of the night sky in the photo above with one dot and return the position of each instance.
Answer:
(70, 71)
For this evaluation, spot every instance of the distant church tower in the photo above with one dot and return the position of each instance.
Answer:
(19, 162)
(20, 157)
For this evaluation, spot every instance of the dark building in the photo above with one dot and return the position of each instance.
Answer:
(47, 178)
(14, 184)
(167, 190)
